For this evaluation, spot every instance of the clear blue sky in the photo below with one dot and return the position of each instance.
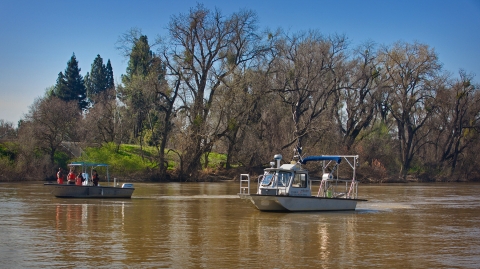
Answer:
(38, 37)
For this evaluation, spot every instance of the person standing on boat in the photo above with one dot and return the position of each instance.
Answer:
(60, 176)
(71, 177)
(79, 179)
(95, 178)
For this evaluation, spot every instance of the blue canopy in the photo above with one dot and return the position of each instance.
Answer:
(322, 158)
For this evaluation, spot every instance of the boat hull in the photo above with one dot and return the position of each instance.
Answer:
(74, 191)
(300, 203)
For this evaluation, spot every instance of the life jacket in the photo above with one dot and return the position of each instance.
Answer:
(59, 177)
(71, 176)
(78, 181)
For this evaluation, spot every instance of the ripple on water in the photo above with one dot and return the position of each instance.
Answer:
(379, 206)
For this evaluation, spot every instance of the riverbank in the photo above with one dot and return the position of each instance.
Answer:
(233, 174)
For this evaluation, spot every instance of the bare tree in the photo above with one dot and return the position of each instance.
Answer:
(355, 104)
(305, 76)
(237, 110)
(411, 73)
(105, 122)
(457, 120)
(205, 47)
(7, 131)
(53, 121)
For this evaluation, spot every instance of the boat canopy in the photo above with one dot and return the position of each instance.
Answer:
(337, 159)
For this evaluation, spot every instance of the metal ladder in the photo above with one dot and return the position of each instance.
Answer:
(245, 190)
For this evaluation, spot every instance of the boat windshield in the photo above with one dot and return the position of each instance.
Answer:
(282, 181)
(267, 179)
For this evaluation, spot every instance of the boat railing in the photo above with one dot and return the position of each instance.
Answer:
(330, 183)
(333, 188)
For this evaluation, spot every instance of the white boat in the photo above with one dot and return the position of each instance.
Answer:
(288, 187)
(87, 189)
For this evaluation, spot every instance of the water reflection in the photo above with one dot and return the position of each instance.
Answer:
(205, 225)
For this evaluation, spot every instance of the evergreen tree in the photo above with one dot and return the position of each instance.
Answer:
(61, 86)
(109, 74)
(97, 77)
(88, 83)
(140, 60)
(133, 93)
(148, 98)
(70, 85)
(138, 67)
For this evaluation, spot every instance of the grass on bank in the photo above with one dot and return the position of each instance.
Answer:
(133, 158)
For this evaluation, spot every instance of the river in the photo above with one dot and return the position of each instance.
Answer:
(206, 225)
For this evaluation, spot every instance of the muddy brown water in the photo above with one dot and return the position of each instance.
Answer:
(206, 225)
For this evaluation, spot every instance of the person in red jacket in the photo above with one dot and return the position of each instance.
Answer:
(71, 177)
(60, 176)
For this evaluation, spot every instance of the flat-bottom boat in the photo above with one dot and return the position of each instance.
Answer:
(288, 187)
(87, 189)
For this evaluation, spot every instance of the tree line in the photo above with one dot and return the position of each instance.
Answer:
(216, 83)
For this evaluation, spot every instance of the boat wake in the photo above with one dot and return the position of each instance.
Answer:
(379, 206)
